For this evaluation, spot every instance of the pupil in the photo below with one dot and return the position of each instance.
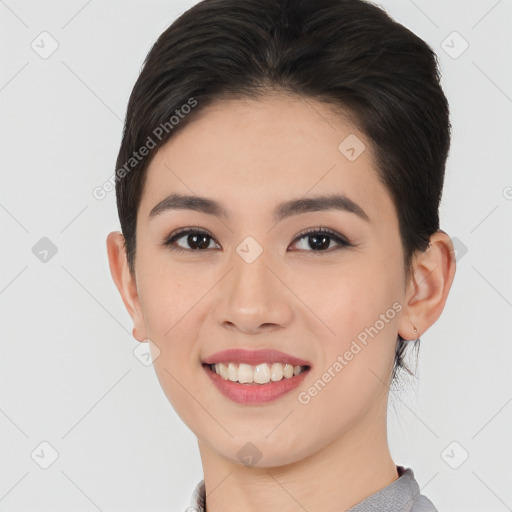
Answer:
(319, 242)
(192, 242)
(322, 245)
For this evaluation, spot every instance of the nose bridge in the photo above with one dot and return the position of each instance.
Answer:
(250, 281)
(251, 295)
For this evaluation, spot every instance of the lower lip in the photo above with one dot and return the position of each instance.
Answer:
(254, 393)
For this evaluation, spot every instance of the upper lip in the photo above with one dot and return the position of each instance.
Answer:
(253, 357)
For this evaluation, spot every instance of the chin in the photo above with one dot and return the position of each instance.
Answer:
(259, 452)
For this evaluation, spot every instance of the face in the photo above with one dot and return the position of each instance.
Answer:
(252, 280)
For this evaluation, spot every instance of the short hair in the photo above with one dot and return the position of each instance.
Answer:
(349, 54)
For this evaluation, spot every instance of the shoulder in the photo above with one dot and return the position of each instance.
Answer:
(420, 503)
(423, 504)
(402, 495)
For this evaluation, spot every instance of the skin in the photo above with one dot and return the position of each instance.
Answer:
(332, 452)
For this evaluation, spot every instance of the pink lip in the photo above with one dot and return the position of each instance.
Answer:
(254, 394)
(240, 355)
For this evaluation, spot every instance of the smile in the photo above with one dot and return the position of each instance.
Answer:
(256, 374)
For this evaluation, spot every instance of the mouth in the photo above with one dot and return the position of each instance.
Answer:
(260, 374)
(255, 366)
(255, 377)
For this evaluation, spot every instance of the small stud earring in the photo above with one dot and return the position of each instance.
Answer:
(415, 329)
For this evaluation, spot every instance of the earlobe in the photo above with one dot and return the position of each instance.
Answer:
(432, 276)
(125, 282)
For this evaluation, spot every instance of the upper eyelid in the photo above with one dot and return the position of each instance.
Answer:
(319, 229)
(186, 231)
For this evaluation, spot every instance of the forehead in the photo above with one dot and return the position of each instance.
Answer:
(249, 153)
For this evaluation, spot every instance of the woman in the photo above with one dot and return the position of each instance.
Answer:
(278, 186)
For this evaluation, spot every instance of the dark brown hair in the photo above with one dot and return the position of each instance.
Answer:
(349, 54)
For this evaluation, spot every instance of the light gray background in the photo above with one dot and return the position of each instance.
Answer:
(68, 373)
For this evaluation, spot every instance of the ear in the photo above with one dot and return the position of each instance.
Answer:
(125, 282)
(431, 279)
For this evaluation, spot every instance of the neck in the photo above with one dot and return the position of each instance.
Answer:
(336, 477)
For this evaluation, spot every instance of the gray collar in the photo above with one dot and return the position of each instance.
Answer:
(402, 495)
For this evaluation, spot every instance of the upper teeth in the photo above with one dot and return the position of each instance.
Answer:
(260, 374)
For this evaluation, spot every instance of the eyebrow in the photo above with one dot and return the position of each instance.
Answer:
(283, 210)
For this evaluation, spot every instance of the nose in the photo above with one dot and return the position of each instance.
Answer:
(254, 298)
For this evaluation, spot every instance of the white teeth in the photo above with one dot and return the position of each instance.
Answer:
(245, 373)
(262, 374)
(223, 371)
(276, 372)
(259, 374)
(288, 371)
(232, 372)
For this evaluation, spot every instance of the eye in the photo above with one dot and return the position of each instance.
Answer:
(197, 240)
(319, 239)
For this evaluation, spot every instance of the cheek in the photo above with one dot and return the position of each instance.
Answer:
(361, 307)
(351, 296)
(357, 362)
(173, 313)
(167, 290)
(170, 298)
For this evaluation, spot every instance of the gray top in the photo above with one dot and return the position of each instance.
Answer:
(402, 495)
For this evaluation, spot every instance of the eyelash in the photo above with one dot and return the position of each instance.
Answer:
(342, 241)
